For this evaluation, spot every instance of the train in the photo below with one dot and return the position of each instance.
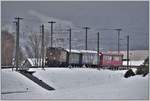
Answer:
(60, 57)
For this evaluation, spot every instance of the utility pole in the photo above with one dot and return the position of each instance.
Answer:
(97, 48)
(118, 30)
(51, 22)
(86, 29)
(16, 45)
(42, 48)
(127, 51)
(69, 44)
(17, 42)
(69, 40)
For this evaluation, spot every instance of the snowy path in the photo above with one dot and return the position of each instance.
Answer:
(76, 83)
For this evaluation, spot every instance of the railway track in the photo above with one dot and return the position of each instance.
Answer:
(103, 67)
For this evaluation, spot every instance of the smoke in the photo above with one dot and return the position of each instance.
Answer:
(8, 27)
(61, 36)
(44, 19)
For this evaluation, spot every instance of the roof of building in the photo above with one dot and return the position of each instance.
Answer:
(34, 61)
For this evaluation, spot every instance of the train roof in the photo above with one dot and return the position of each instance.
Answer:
(107, 53)
(88, 51)
(73, 50)
(81, 51)
(85, 51)
(91, 51)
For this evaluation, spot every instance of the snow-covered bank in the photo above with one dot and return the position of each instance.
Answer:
(135, 63)
(77, 77)
(76, 83)
(17, 86)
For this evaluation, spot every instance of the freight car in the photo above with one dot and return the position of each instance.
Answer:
(59, 57)
(89, 58)
(63, 57)
(74, 57)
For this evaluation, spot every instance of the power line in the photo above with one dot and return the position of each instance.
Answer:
(118, 32)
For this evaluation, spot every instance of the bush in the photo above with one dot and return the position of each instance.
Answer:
(143, 70)
(129, 73)
(139, 71)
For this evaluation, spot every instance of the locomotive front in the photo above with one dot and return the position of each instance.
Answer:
(56, 57)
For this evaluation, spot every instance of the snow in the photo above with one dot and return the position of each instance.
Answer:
(88, 51)
(33, 61)
(73, 51)
(136, 63)
(75, 83)
(14, 84)
(81, 51)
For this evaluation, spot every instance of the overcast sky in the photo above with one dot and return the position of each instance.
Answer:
(131, 16)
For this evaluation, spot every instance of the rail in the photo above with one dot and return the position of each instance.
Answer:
(101, 66)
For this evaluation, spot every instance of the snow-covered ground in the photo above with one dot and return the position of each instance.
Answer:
(75, 83)
(134, 62)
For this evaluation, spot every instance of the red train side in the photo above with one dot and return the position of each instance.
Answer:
(109, 59)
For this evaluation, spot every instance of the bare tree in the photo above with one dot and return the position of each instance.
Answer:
(47, 39)
(35, 43)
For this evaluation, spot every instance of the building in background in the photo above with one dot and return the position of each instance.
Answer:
(7, 48)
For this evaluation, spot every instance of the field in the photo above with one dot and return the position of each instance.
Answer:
(75, 83)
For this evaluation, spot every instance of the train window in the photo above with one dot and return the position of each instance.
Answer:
(116, 58)
(107, 58)
(50, 53)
